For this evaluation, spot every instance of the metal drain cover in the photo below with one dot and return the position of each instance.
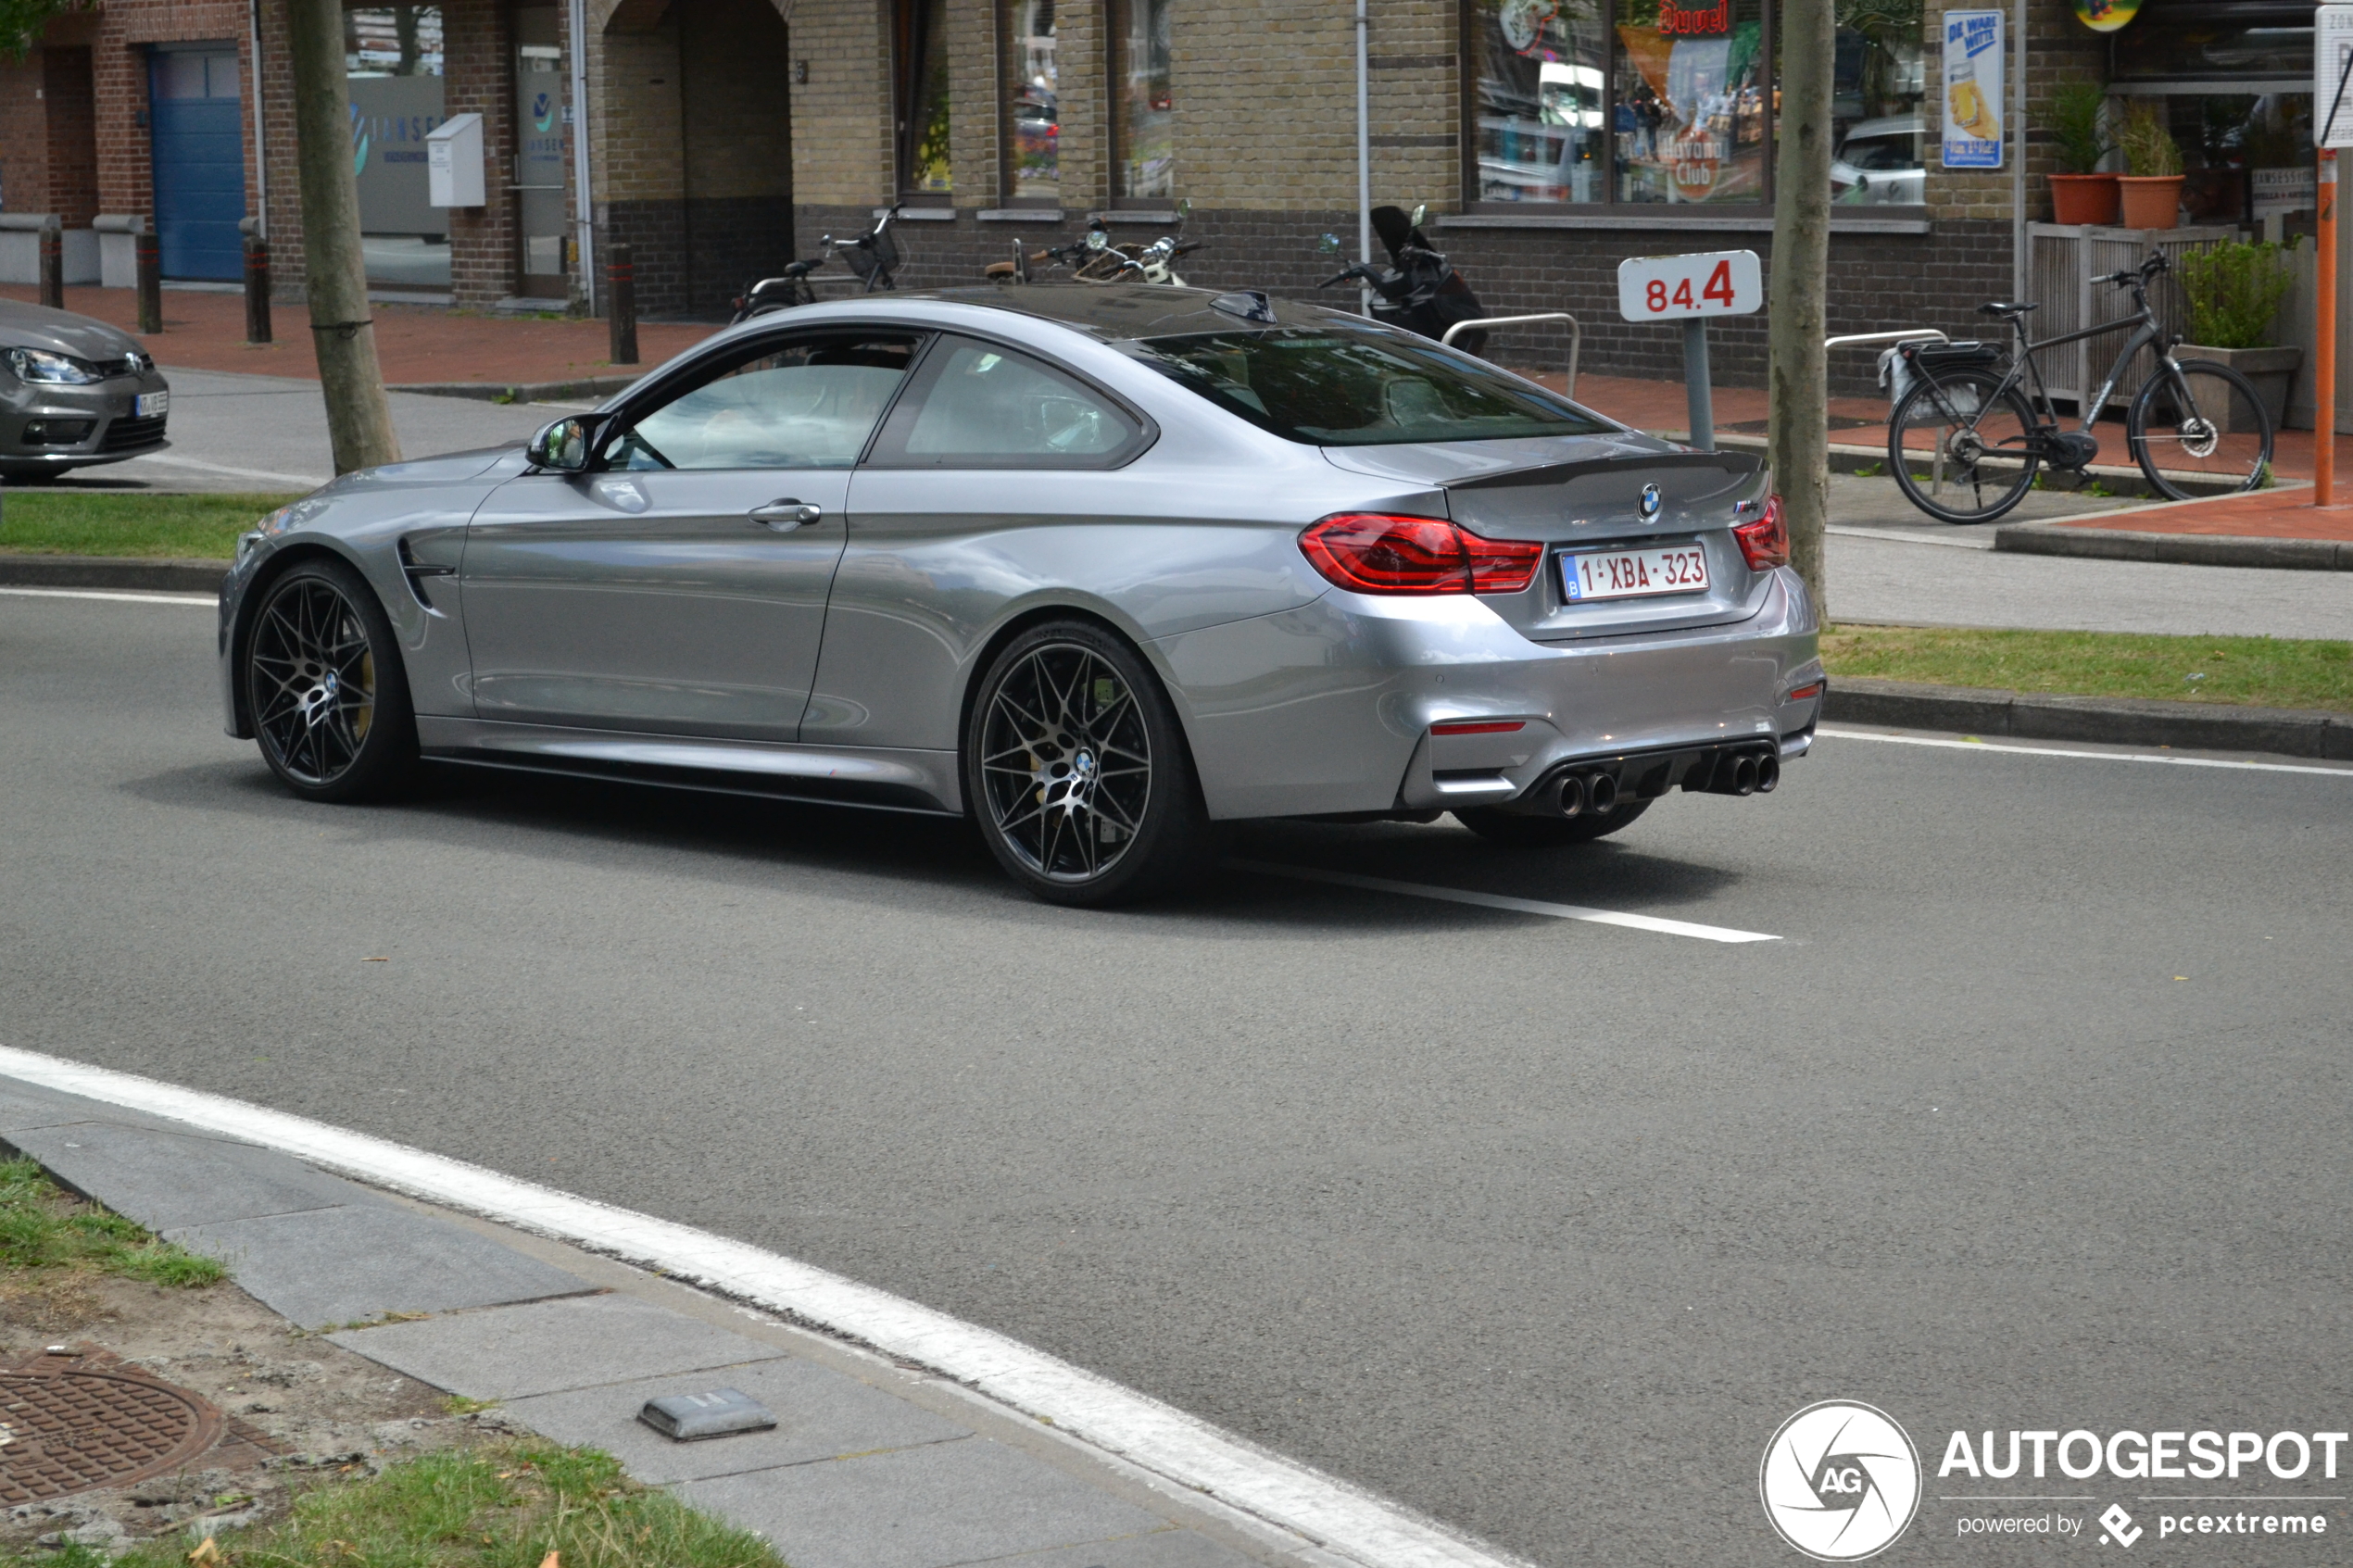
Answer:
(76, 1423)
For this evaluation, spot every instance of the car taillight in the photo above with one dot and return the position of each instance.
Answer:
(1765, 541)
(1374, 553)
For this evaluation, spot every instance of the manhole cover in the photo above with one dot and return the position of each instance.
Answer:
(77, 1424)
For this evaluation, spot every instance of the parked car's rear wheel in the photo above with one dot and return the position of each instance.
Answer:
(1079, 773)
(328, 693)
(1546, 833)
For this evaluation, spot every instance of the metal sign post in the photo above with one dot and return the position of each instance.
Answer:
(1689, 289)
(2331, 67)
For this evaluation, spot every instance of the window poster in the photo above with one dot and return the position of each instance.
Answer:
(1972, 89)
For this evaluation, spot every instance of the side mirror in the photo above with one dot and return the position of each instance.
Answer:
(1327, 245)
(1419, 213)
(1184, 210)
(562, 445)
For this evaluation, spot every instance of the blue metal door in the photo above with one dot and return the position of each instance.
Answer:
(199, 161)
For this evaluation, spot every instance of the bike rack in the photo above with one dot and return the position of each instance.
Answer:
(1908, 334)
(1576, 334)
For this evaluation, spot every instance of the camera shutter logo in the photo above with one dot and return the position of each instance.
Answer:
(1841, 1481)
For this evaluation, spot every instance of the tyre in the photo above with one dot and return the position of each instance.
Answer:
(328, 693)
(2199, 430)
(1961, 449)
(1548, 832)
(1078, 773)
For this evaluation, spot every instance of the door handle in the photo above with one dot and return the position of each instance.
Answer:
(786, 515)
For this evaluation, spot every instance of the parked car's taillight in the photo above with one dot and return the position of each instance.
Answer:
(1765, 541)
(1374, 553)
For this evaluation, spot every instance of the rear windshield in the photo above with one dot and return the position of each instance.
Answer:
(1361, 388)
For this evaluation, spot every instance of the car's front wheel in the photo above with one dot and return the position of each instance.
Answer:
(328, 693)
(1077, 771)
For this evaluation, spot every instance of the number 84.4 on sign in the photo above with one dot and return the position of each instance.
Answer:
(1667, 288)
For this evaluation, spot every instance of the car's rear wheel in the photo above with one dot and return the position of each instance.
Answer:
(1547, 832)
(328, 693)
(1079, 773)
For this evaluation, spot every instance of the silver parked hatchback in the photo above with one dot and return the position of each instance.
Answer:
(1100, 567)
(73, 391)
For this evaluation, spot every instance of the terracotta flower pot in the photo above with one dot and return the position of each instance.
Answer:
(2151, 201)
(2083, 199)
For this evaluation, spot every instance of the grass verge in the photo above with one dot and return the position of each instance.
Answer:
(515, 1504)
(52, 522)
(43, 1227)
(2257, 671)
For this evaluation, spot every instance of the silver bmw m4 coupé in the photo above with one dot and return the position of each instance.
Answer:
(1098, 567)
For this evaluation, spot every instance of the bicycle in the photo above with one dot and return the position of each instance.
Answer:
(874, 257)
(2195, 427)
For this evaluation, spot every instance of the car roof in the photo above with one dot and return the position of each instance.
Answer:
(1119, 312)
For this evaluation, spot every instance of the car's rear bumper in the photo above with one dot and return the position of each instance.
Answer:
(1329, 708)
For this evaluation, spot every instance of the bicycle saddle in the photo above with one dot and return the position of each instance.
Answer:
(2005, 308)
(801, 268)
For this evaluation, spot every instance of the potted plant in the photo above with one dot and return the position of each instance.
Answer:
(2078, 193)
(2235, 291)
(2151, 188)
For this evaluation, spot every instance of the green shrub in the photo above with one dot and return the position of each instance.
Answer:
(2081, 140)
(2235, 290)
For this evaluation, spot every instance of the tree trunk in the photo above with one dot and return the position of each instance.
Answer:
(1800, 373)
(359, 420)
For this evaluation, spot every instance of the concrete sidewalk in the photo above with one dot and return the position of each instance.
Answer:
(873, 1464)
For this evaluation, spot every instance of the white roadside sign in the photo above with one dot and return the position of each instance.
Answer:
(1676, 288)
(2332, 62)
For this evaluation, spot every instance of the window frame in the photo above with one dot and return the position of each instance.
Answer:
(909, 52)
(1610, 210)
(888, 449)
(689, 378)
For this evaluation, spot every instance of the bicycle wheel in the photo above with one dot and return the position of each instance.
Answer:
(1961, 449)
(2200, 430)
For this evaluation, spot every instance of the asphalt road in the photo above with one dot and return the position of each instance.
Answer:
(2035, 1118)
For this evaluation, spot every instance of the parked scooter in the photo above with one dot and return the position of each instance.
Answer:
(873, 255)
(1420, 290)
(1095, 260)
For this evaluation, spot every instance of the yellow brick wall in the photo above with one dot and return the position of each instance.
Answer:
(637, 133)
(2058, 47)
(841, 115)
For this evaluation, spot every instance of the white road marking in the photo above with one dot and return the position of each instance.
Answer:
(1500, 902)
(2094, 756)
(212, 603)
(309, 482)
(1339, 1523)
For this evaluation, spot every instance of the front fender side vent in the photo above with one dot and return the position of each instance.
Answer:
(417, 574)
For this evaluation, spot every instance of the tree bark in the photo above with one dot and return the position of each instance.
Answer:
(358, 418)
(1799, 370)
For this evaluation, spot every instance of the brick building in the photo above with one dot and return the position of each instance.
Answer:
(1550, 138)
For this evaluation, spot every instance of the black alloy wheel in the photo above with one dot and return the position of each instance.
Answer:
(2200, 430)
(1078, 773)
(1548, 832)
(328, 694)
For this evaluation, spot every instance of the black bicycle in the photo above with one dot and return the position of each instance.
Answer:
(874, 257)
(2196, 428)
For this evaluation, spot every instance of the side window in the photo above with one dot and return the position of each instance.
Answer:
(810, 404)
(975, 405)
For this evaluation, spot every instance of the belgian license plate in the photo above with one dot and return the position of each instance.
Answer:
(150, 404)
(1627, 574)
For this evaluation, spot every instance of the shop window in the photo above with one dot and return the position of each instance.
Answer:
(1671, 102)
(1144, 165)
(1689, 120)
(1541, 105)
(1878, 124)
(1033, 134)
(920, 46)
(391, 59)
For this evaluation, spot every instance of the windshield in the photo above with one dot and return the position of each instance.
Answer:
(1364, 388)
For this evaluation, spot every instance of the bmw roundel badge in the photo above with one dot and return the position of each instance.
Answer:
(1650, 501)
